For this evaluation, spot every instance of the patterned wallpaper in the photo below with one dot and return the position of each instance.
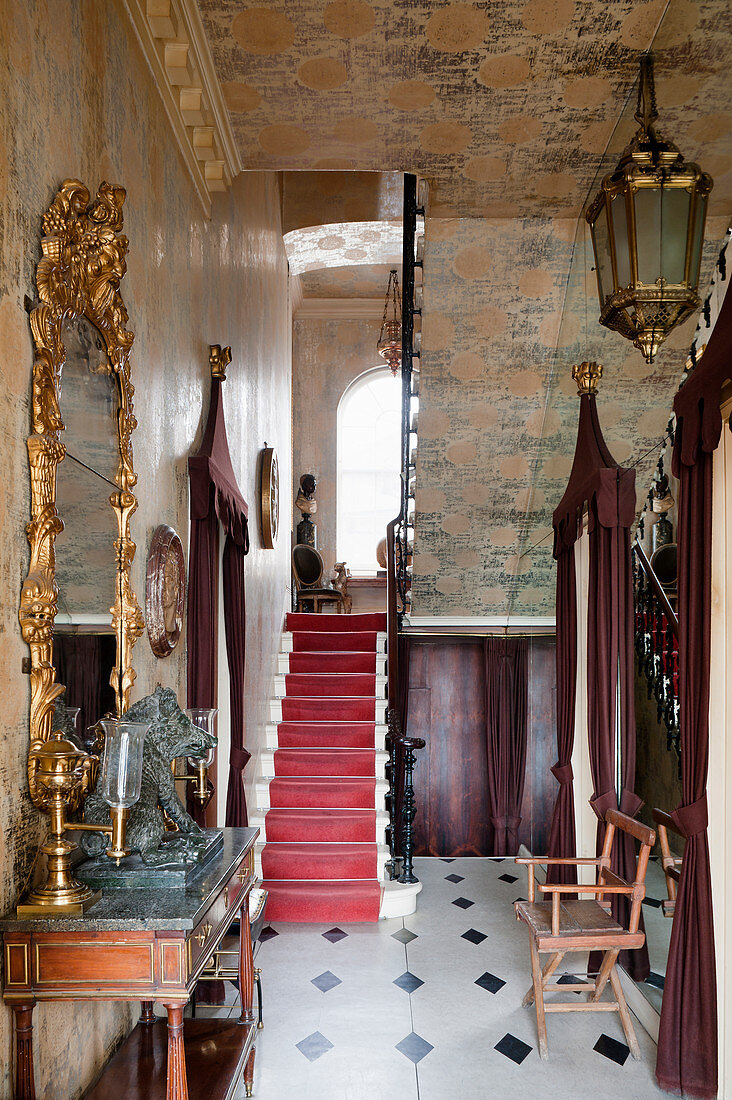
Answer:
(498, 407)
(81, 103)
(505, 107)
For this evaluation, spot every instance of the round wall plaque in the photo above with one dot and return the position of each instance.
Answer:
(270, 497)
(165, 591)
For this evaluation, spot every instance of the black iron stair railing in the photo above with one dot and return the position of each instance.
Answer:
(399, 543)
(657, 645)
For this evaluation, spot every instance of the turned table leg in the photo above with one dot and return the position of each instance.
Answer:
(246, 967)
(249, 1073)
(147, 1016)
(25, 1088)
(177, 1083)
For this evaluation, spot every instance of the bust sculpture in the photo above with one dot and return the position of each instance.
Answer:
(306, 503)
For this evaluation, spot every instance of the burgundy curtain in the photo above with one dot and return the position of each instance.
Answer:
(77, 659)
(216, 499)
(562, 837)
(235, 626)
(203, 575)
(611, 673)
(506, 678)
(687, 1040)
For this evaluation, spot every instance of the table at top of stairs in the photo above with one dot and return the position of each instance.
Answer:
(323, 788)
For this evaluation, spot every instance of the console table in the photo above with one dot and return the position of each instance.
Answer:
(146, 945)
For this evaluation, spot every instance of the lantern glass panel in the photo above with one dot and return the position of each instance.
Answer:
(620, 236)
(648, 233)
(697, 240)
(675, 224)
(601, 245)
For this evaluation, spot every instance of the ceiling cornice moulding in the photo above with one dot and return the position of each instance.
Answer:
(339, 309)
(176, 49)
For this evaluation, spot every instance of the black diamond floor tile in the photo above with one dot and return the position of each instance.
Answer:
(517, 899)
(656, 979)
(404, 935)
(414, 1047)
(513, 1048)
(654, 903)
(463, 903)
(314, 1046)
(490, 982)
(612, 1049)
(326, 981)
(334, 934)
(408, 982)
(267, 933)
(453, 878)
(508, 878)
(474, 936)
(446, 859)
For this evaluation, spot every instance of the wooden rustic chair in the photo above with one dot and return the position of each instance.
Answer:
(307, 568)
(671, 864)
(558, 926)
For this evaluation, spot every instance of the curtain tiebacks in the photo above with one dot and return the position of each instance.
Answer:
(692, 819)
(630, 803)
(562, 773)
(239, 759)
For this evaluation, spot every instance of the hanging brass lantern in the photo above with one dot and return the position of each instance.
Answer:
(647, 227)
(389, 346)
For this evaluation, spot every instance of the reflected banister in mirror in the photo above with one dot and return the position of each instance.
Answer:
(78, 275)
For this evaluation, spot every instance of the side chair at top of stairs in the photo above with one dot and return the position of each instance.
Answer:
(557, 926)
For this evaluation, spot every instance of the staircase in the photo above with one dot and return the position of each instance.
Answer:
(321, 796)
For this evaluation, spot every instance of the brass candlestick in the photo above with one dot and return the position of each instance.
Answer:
(62, 772)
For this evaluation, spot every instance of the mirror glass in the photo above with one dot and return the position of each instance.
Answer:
(84, 645)
(85, 556)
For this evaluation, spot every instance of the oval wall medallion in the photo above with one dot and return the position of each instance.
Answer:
(269, 497)
(165, 591)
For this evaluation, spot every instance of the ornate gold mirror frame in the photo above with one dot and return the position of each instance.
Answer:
(79, 274)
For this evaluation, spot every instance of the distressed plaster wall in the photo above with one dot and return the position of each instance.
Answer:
(79, 102)
(326, 356)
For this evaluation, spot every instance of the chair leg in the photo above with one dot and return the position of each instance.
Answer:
(539, 1000)
(608, 962)
(625, 1019)
(546, 973)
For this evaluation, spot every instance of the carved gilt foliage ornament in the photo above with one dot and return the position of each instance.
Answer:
(79, 274)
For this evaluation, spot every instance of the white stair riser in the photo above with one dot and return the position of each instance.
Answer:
(399, 900)
(380, 761)
(275, 711)
(287, 641)
(283, 666)
(380, 732)
(280, 687)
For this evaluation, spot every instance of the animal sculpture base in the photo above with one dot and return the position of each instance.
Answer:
(133, 874)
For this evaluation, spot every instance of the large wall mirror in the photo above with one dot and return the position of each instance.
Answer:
(78, 612)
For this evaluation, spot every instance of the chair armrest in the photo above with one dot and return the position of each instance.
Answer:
(581, 888)
(558, 860)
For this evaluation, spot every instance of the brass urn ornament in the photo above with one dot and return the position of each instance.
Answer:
(389, 346)
(647, 225)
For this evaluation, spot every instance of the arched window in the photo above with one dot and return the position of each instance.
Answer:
(369, 442)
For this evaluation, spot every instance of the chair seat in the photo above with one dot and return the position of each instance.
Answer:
(304, 593)
(577, 919)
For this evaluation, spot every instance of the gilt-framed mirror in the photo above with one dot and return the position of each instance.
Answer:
(80, 449)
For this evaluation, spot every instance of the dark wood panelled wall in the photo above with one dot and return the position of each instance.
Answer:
(447, 709)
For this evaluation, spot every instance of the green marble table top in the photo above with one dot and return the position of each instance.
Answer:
(153, 908)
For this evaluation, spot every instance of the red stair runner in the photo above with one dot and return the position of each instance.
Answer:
(319, 861)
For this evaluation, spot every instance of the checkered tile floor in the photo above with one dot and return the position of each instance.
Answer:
(429, 1007)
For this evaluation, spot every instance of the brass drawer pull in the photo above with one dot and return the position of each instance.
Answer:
(202, 936)
(226, 897)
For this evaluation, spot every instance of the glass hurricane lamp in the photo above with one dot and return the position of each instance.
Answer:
(389, 345)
